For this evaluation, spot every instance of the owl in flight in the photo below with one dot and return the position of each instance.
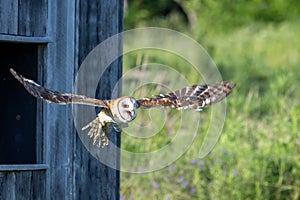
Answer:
(117, 113)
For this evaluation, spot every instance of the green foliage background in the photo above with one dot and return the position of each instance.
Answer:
(255, 44)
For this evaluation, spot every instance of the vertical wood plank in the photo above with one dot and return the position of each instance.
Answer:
(38, 186)
(9, 17)
(22, 185)
(73, 173)
(32, 17)
(97, 21)
(58, 121)
(40, 137)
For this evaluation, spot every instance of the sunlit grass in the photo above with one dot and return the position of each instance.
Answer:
(258, 154)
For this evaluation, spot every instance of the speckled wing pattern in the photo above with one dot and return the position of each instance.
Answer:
(56, 97)
(194, 97)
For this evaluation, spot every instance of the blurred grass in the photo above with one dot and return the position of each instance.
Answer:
(258, 154)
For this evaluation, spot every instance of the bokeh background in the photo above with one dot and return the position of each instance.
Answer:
(255, 44)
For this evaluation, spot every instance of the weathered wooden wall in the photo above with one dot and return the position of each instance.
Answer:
(66, 32)
(97, 22)
(58, 74)
(33, 185)
(23, 17)
(24, 21)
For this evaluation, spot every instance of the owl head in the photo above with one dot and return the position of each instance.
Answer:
(124, 109)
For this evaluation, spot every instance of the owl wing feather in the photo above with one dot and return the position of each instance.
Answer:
(56, 97)
(194, 97)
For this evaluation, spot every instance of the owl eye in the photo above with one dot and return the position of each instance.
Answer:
(125, 106)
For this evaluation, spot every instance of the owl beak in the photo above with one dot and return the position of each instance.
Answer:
(131, 113)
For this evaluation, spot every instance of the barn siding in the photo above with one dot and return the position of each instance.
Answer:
(23, 185)
(58, 74)
(98, 20)
(74, 29)
(24, 17)
(9, 17)
(32, 17)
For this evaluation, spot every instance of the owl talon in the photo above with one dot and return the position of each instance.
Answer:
(96, 138)
(98, 129)
(104, 141)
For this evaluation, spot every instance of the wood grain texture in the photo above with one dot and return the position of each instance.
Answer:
(9, 17)
(58, 74)
(23, 185)
(24, 17)
(32, 17)
(98, 20)
(75, 28)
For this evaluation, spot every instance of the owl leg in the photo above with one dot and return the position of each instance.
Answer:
(99, 129)
(118, 127)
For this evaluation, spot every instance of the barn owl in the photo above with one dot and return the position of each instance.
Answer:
(117, 113)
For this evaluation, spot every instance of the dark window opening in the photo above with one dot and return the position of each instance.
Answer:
(18, 108)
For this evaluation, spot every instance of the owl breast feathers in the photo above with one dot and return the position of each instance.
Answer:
(118, 112)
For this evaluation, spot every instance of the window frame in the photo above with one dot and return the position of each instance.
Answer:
(40, 156)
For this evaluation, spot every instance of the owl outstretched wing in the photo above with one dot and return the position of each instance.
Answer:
(98, 127)
(118, 112)
(56, 97)
(194, 97)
